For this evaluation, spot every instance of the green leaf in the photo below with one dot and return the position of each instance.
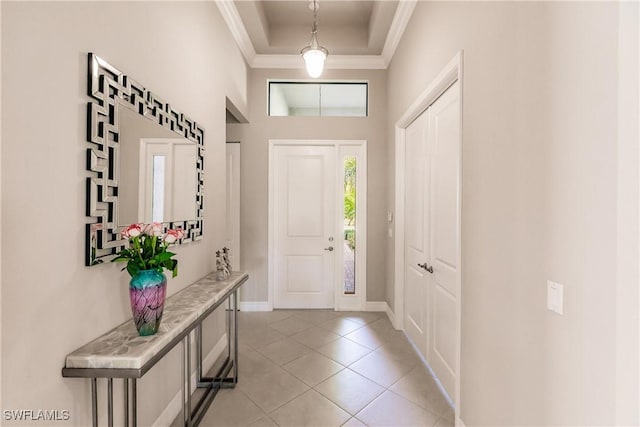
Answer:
(147, 252)
(133, 268)
(163, 257)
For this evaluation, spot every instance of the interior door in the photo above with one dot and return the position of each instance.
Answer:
(232, 214)
(416, 232)
(432, 225)
(444, 141)
(304, 222)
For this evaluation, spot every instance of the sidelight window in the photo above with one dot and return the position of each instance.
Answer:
(349, 225)
(157, 196)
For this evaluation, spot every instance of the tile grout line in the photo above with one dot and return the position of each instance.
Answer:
(314, 351)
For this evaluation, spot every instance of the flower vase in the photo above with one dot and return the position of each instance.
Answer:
(147, 291)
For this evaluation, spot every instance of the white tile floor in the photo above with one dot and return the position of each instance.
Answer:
(325, 368)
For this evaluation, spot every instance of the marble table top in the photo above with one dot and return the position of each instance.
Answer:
(123, 348)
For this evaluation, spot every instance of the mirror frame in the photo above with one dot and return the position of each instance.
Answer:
(111, 89)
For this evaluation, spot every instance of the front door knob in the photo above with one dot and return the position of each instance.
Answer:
(330, 249)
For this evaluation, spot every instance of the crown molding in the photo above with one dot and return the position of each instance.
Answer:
(398, 25)
(335, 62)
(232, 18)
(401, 18)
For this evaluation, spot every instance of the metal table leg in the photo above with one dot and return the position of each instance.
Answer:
(126, 401)
(134, 402)
(198, 338)
(235, 337)
(189, 380)
(186, 380)
(110, 402)
(94, 401)
(185, 415)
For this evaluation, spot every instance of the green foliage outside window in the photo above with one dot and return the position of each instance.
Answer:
(350, 201)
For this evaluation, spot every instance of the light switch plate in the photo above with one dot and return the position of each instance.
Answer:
(555, 297)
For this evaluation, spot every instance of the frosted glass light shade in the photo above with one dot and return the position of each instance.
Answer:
(314, 61)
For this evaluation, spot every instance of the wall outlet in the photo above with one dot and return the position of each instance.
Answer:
(555, 297)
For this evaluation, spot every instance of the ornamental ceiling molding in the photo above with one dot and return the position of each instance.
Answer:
(345, 62)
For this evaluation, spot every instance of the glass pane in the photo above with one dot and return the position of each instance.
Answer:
(157, 198)
(344, 100)
(349, 225)
(336, 99)
(294, 99)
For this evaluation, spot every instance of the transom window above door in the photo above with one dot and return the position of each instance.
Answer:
(311, 99)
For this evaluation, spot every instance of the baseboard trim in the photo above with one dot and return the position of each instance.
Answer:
(459, 422)
(255, 306)
(174, 408)
(382, 306)
(376, 306)
(431, 372)
(369, 306)
(391, 316)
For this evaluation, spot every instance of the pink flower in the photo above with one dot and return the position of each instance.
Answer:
(173, 235)
(180, 232)
(133, 230)
(153, 229)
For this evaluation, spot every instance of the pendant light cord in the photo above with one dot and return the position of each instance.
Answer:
(315, 14)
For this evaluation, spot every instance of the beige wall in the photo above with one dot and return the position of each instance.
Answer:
(1, 206)
(51, 302)
(628, 251)
(539, 201)
(255, 165)
(549, 191)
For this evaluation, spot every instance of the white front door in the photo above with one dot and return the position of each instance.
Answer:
(166, 169)
(304, 223)
(432, 221)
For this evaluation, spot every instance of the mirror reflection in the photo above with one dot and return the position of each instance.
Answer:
(145, 161)
(157, 172)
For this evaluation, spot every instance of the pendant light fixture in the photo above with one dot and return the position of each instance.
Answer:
(314, 54)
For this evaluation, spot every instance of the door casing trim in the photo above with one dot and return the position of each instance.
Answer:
(451, 73)
(361, 220)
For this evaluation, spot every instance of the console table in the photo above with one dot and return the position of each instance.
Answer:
(122, 353)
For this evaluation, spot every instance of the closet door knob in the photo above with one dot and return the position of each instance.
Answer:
(330, 249)
(426, 267)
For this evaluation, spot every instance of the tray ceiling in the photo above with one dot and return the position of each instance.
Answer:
(358, 34)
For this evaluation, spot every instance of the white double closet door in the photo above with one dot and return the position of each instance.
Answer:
(432, 224)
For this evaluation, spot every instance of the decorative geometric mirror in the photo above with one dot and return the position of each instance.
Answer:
(145, 162)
